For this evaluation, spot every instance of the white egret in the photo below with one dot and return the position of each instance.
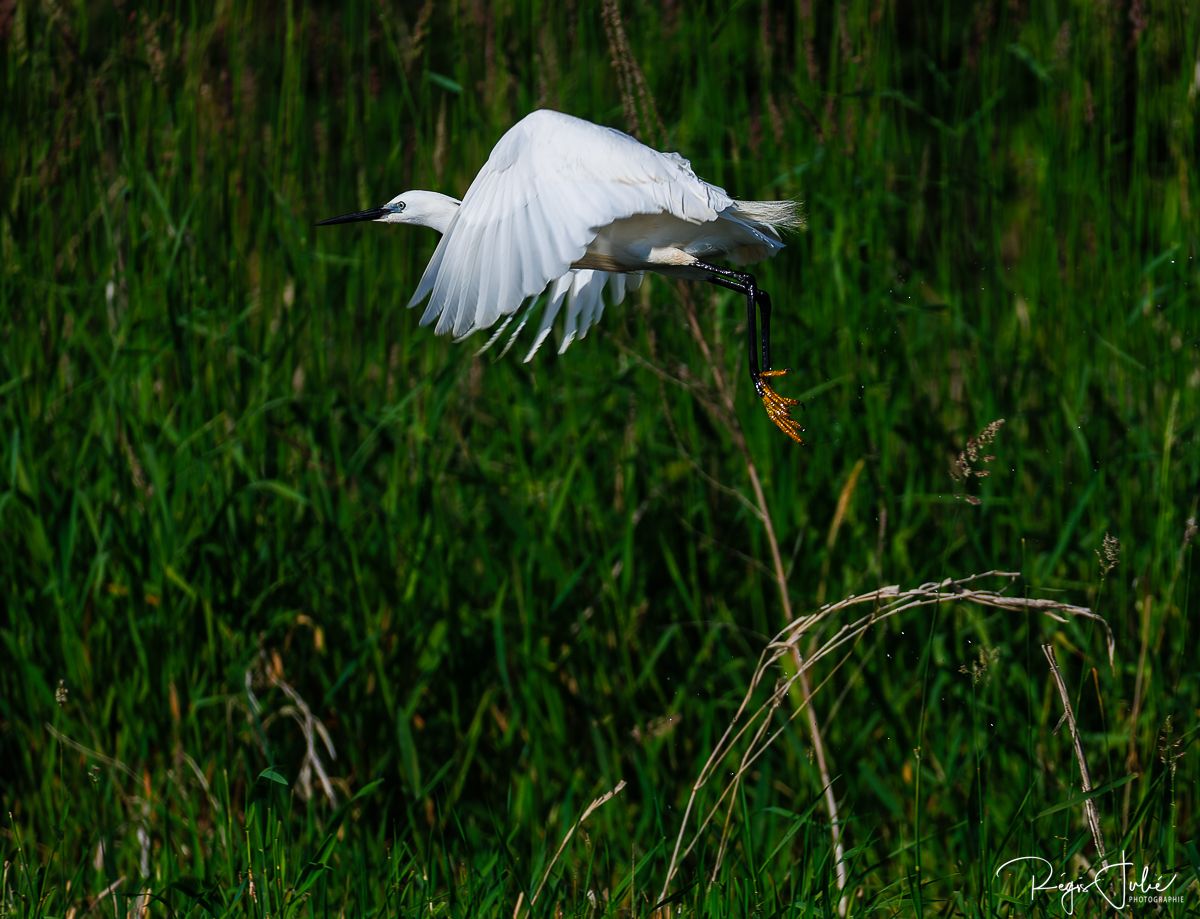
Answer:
(569, 206)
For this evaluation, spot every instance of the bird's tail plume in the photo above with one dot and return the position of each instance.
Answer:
(782, 215)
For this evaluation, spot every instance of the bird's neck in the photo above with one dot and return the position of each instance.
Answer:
(440, 210)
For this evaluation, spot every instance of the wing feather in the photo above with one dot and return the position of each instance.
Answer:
(558, 291)
(550, 184)
(587, 287)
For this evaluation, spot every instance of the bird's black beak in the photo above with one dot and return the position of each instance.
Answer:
(373, 214)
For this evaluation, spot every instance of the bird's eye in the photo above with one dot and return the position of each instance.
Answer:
(399, 205)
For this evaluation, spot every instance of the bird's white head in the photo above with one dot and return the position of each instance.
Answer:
(418, 208)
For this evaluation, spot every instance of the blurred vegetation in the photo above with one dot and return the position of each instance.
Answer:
(245, 499)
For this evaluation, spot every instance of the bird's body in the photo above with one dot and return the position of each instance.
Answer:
(668, 245)
(576, 210)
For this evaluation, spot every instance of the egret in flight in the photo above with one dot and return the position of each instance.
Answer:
(573, 209)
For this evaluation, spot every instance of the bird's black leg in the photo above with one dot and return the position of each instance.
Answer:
(764, 314)
(745, 284)
(758, 307)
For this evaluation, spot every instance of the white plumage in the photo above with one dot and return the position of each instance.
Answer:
(578, 211)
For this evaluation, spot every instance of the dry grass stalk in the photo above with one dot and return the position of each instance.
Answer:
(311, 727)
(591, 809)
(751, 722)
(1085, 778)
(722, 412)
(635, 93)
(636, 97)
(100, 897)
(91, 753)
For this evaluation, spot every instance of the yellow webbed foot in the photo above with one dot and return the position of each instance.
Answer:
(778, 407)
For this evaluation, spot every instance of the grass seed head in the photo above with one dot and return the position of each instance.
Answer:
(972, 461)
(1109, 554)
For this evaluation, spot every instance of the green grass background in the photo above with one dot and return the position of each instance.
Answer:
(231, 460)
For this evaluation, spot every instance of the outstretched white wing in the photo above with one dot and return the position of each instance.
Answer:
(551, 183)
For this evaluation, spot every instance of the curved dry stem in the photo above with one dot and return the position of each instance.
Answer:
(885, 603)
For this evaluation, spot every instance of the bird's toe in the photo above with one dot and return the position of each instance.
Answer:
(778, 406)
